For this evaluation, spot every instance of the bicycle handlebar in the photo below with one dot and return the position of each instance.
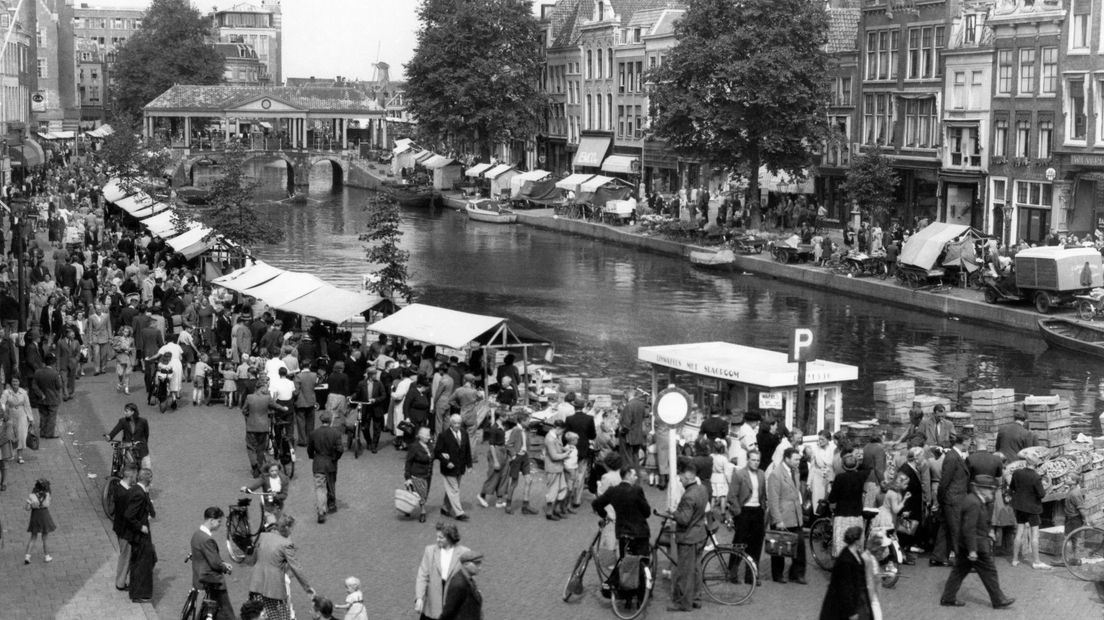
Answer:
(125, 444)
(252, 492)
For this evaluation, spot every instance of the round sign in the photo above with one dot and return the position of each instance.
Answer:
(672, 406)
(266, 104)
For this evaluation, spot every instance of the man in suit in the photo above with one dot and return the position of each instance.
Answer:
(371, 392)
(148, 342)
(441, 391)
(747, 501)
(463, 600)
(631, 511)
(134, 428)
(1013, 437)
(982, 462)
(974, 548)
(453, 450)
(936, 429)
(429, 588)
(118, 524)
(143, 555)
(784, 504)
(690, 537)
(306, 401)
(325, 448)
(68, 355)
(953, 486)
(241, 341)
(208, 569)
(582, 424)
(46, 390)
(631, 430)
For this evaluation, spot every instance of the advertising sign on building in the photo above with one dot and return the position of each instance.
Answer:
(38, 102)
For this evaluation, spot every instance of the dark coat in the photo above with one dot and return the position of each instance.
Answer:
(463, 600)
(122, 500)
(1013, 437)
(32, 361)
(632, 422)
(984, 463)
(630, 507)
(955, 479)
(207, 568)
(324, 448)
(45, 388)
(140, 433)
(139, 510)
(1027, 491)
(458, 453)
(51, 322)
(419, 462)
(973, 531)
(7, 359)
(739, 490)
(582, 424)
(846, 590)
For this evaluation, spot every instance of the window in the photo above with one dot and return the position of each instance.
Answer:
(1032, 194)
(958, 90)
(620, 121)
(601, 64)
(609, 112)
(638, 113)
(589, 120)
(609, 62)
(923, 54)
(1023, 134)
(881, 55)
(1049, 83)
(838, 151)
(1004, 72)
(1075, 109)
(977, 92)
(1027, 71)
(40, 37)
(970, 28)
(871, 55)
(843, 91)
(590, 65)
(1000, 187)
(42, 71)
(1080, 28)
(621, 77)
(1046, 133)
(964, 147)
(877, 118)
(921, 123)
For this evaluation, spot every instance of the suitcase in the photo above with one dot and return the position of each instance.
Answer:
(406, 501)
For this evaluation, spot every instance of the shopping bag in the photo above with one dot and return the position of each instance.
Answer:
(32, 438)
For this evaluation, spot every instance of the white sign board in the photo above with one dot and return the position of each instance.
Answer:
(770, 400)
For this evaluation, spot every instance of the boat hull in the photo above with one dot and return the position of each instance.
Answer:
(723, 260)
(410, 196)
(1073, 335)
(454, 200)
(490, 217)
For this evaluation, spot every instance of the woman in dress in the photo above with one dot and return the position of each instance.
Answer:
(418, 470)
(821, 473)
(846, 498)
(16, 406)
(847, 596)
(123, 345)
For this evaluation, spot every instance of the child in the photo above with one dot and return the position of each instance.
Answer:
(163, 381)
(199, 380)
(571, 466)
(722, 473)
(354, 601)
(38, 502)
(229, 383)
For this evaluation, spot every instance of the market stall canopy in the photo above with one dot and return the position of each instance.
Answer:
(924, 247)
(521, 180)
(285, 287)
(402, 145)
(592, 151)
(497, 171)
(164, 224)
(102, 131)
(572, 182)
(748, 365)
(962, 254)
(191, 242)
(591, 185)
(248, 276)
(335, 305)
(439, 161)
(450, 328)
(621, 164)
(152, 209)
(533, 175)
(424, 156)
(134, 203)
(112, 192)
(477, 170)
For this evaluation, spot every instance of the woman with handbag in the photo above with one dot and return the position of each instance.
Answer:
(418, 470)
(846, 497)
(16, 406)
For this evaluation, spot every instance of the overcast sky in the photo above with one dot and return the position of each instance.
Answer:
(325, 38)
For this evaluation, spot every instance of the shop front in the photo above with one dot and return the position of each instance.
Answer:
(660, 167)
(1087, 205)
(591, 153)
(962, 194)
(917, 193)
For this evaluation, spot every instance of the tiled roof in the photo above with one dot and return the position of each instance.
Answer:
(564, 17)
(843, 29)
(666, 23)
(218, 97)
(626, 9)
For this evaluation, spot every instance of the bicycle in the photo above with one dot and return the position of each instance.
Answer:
(722, 566)
(208, 608)
(240, 537)
(1083, 553)
(121, 457)
(621, 601)
(574, 585)
(820, 544)
(280, 448)
(357, 443)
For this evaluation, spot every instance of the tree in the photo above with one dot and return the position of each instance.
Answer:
(131, 159)
(746, 84)
(170, 48)
(475, 73)
(871, 183)
(230, 210)
(383, 237)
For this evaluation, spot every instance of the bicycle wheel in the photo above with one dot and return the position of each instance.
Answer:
(820, 543)
(728, 576)
(1086, 311)
(358, 442)
(236, 553)
(574, 585)
(189, 611)
(107, 497)
(1083, 553)
(632, 605)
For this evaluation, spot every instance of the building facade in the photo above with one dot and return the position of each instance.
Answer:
(843, 50)
(242, 64)
(56, 107)
(259, 26)
(98, 35)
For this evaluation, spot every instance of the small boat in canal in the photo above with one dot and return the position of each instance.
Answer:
(453, 200)
(489, 211)
(716, 260)
(1073, 335)
(409, 195)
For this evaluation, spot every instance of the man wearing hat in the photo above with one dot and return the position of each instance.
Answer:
(582, 424)
(463, 600)
(953, 486)
(631, 430)
(975, 547)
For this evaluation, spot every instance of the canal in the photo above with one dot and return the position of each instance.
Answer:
(598, 302)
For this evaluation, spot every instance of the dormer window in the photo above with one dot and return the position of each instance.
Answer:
(601, 11)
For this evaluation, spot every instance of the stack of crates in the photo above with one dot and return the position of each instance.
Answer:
(1049, 418)
(1092, 482)
(892, 400)
(990, 409)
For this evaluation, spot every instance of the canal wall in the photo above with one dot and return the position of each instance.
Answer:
(952, 304)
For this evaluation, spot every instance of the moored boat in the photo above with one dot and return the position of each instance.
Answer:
(409, 195)
(720, 259)
(454, 200)
(490, 212)
(1073, 335)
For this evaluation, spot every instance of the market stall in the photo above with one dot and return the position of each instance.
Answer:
(500, 176)
(518, 182)
(446, 171)
(738, 379)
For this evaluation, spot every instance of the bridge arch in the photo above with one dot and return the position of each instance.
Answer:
(272, 157)
(337, 167)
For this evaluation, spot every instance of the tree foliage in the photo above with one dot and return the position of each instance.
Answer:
(871, 182)
(475, 73)
(384, 236)
(170, 48)
(230, 209)
(130, 158)
(746, 84)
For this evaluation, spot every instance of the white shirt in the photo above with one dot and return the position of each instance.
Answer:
(753, 500)
(282, 389)
(748, 436)
(272, 369)
(446, 561)
(203, 528)
(275, 485)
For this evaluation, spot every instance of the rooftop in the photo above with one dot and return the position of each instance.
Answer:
(843, 29)
(219, 97)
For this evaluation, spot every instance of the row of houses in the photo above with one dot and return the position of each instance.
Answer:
(991, 111)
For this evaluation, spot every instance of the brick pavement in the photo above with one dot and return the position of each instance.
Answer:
(199, 460)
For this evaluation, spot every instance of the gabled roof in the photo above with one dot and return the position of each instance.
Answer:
(184, 97)
(626, 9)
(843, 30)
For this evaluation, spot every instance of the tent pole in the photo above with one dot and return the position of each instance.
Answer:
(525, 373)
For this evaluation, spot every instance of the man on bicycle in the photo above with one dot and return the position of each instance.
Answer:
(134, 428)
(208, 569)
(282, 391)
(631, 511)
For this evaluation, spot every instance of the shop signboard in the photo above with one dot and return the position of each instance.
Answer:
(770, 400)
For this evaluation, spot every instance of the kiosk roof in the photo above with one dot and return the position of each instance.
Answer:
(746, 365)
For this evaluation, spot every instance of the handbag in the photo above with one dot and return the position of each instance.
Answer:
(32, 438)
(908, 526)
(781, 543)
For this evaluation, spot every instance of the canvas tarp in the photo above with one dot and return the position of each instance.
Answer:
(517, 183)
(961, 254)
(572, 182)
(450, 328)
(252, 274)
(163, 224)
(191, 243)
(923, 248)
(541, 191)
(285, 287)
(332, 304)
(152, 209)
(112, 192)
(134, 203)
(477, 170)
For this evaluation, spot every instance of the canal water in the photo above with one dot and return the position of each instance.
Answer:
(598, 302)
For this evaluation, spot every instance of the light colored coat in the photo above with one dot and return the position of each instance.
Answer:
(275, 556)
(430, 586)
(554, 452)
(783, 498)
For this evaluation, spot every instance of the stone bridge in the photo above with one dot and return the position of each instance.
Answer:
(299, 164)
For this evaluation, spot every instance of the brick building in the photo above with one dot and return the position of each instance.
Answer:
(843, 50)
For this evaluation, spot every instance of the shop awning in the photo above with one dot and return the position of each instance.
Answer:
(621, 164)
(450, 328)
(439, 161)
(533, 175)
(497, 171)
(285, 287)
(112, 192)
(741, 364)
(572, 182)
(265, 124)
(592, 184)
(189, 238)
(29, 153)
(477, 170)
(252, 274)
(134, 203)
(592, 151)
(152, 209)
(162, 224)
(402, 145)
(924, 247)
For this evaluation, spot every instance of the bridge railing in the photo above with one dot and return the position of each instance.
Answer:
(265, 143)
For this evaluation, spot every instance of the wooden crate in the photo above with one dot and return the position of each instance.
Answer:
(983, 425)
(1055, 438)
(1051, 539)
(1043, 416)
(1049, 425)
(991, 394)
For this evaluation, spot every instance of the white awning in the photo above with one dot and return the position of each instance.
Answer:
(152, 209)
(134, 203)
(595, 182)
(621, 164)
(112, 192)
(102, 131)
(572, 182)
(251, 275)
(189, 238)
(301, 293)
(497, 171)
(533, 175)
(439, 161)
(162, 224)
(402, 145)
(477, 170)
(747, 365)
(923, 248)
(285, 287)
(434, 325)
(332, 304)
(265, 124)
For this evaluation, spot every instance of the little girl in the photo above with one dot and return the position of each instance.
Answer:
(38, 502)
(354, 601)
(199, 380)
(571, 467)
(229, 383)
(722, 473)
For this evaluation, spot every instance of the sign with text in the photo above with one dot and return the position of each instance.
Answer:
(803, 346)
(770, 400)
